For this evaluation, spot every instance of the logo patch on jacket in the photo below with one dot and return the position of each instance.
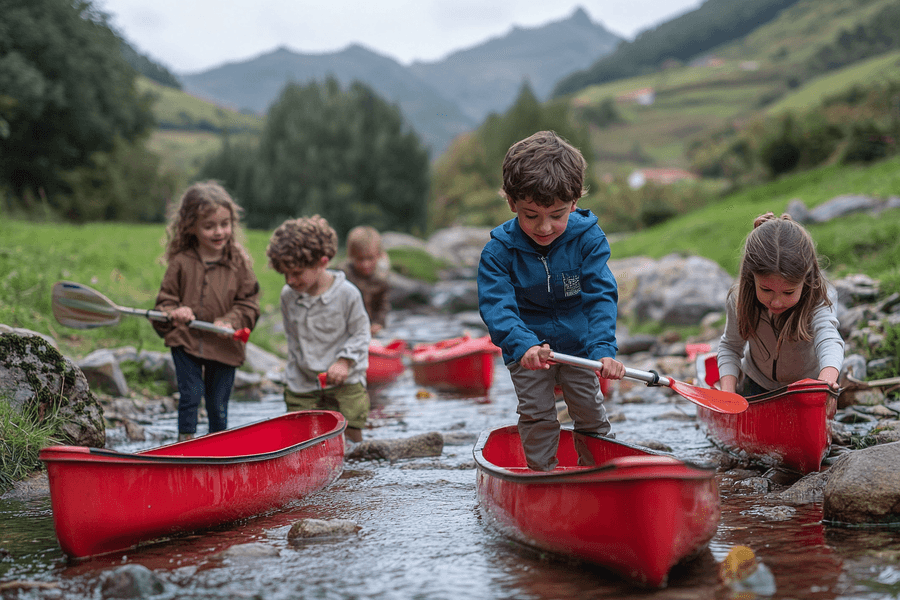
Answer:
(571, 284)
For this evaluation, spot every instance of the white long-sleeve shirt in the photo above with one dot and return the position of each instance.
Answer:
(796, 360)
(321, 329)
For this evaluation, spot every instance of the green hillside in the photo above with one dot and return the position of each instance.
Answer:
(734, 83)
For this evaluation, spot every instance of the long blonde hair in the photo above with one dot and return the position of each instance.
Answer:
(780, 246)
(199, 201)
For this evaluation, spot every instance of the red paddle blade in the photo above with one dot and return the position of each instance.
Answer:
(716, 400)
(242, 334)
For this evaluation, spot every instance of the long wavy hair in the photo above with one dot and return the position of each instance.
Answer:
(780, 246)
(198, 202)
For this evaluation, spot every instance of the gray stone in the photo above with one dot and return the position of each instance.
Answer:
(132, 581)
(101, 368)
(864, 487)
(427, 444)
(35, 375)
(317, 528)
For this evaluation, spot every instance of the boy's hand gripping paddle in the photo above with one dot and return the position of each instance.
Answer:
(716, 400)
(80, 307)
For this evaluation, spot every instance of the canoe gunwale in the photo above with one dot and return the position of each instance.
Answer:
(583, 475)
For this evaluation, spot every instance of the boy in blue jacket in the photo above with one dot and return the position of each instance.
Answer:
(544, 284)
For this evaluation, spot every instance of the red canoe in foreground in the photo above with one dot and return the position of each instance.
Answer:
(385, 362)
(637, 513)
(105, 501)
(789, 427)
(463, 364)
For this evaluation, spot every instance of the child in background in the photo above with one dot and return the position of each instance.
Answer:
(544, 283)
(364, 253)
(209, 277)
(325, 323)
(781, 323)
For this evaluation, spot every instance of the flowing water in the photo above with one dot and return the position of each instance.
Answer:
(423, 535)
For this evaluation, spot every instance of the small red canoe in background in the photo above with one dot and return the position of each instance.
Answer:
(463, 364)
(104, 501)
(789, 427)
(636, 512)
(385, 362)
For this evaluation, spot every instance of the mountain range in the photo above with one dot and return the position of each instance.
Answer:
(439, 99)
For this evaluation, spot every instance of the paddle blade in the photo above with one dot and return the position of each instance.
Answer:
(242, 334)
(80, 307)
(716, 400)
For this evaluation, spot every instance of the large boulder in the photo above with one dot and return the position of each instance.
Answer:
(34, 375)
(864, 487)
(678, 290)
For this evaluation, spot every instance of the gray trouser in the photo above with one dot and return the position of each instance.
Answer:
(538, 424)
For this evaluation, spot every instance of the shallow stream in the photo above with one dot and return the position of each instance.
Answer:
(422, 532)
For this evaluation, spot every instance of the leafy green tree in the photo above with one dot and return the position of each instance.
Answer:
(66, 93)
(344, 154)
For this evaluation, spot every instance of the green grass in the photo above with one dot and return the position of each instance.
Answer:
(852, 244)
(22, 435)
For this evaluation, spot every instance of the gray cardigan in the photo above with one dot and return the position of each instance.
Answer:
(797, 360)
(321, 329)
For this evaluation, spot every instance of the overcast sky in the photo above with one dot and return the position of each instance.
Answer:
(193, 35)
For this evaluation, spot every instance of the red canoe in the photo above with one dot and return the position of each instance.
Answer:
(385, 362)
(637, 513)
(104, 501)
(462, 364)
(790, 426)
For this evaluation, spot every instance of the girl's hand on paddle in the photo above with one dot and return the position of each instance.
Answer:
(224, 325)
(181, 315)
(612, 369)
(536, 358)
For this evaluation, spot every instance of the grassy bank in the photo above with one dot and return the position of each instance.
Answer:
(852, 244)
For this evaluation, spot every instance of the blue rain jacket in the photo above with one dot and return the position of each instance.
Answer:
(566, 299)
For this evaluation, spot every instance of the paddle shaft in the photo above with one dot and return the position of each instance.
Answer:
(161, 316)
(645, 376)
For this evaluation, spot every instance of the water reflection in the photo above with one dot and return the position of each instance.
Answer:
(422, 532)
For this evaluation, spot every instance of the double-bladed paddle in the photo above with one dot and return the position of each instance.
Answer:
(716, 400)
(80, 307)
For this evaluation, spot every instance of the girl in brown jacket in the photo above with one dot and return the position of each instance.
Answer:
(209, 278)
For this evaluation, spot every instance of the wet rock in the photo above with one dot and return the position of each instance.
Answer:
(675, 415)
(306, 529)
(775, 513)
(752, 485)
(35, 486)
(427, 444)
(808, 490)
(249, 550)
(460, 439)
(131, 581)
(34, 374)
(101, 368)
(134, 432)
(652, 444)
(863, 487)
(678, 290)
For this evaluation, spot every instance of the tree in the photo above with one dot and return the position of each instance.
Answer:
(344, 154)
(66, 93)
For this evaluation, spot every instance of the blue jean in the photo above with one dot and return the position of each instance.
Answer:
(199, 378)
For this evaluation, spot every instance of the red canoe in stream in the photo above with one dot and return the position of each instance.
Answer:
(636, 512)
(104, 501)
(385, 362)
(462, 364)
(789, 427)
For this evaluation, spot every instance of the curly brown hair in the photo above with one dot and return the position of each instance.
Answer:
(198, 202)
(544, 168)
(780, 246)
(301, 243)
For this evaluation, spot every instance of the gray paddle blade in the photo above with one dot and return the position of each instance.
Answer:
(80, 307)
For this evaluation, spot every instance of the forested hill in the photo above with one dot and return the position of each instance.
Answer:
(713, 24)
